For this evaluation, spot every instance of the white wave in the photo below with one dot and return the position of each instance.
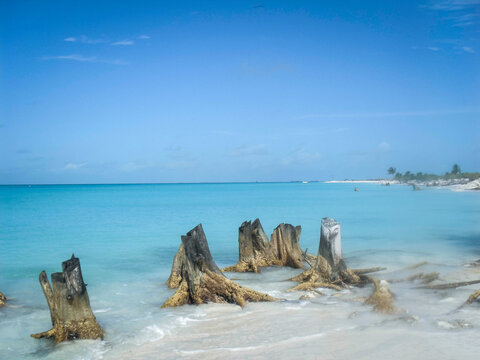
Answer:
(102, 310)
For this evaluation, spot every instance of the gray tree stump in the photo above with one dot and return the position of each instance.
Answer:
(329, 269)
(69, 304)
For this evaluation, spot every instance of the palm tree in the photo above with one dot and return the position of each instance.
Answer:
(391, 170)
(456, 169)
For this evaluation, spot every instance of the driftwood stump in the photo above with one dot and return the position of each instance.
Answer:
(175, 277)
(329, 269)
(256, 251)
(475, 296)
(70, 312)
(200, 280)
(3, 299)
(382, 298)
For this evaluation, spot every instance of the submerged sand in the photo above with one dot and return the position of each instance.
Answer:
(334, 326)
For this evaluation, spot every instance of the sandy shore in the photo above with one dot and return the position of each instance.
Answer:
(448, 184)
(472, 185)
(382, 182)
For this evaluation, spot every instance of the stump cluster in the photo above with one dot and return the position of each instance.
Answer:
(199, 280)
(256, 251)
(69, 304)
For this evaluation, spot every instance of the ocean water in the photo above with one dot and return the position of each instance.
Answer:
(126, 237)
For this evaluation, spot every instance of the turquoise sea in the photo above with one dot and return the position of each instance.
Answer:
(126, 237)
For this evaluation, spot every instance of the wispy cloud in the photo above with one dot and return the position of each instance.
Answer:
(387, 114)
(454, 5)
(459, 13)
(73, 57)
(123, 43)
(468, 49)
(74, 166)
(88, 40)
(463, 20)
(450, 15)
(249, 150)
(384, 146)
(85, 39)
(433, 48)
(81, 58)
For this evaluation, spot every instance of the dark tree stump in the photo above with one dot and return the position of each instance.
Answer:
(256, 251)
(329, 269)
(70, 312)
(200, 280)
(285, 247)
(253, 248)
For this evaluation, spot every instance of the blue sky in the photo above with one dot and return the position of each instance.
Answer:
(180, 91)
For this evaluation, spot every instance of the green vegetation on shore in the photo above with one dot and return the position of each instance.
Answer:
(455, 173)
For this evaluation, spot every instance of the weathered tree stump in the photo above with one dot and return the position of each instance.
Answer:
(253, 248)
(3, 299)
(69, 304)
(200, 280)
(329, 269)
(285, 247)
(475, 296)
(256, 251)
(176, 274)
(382, 298)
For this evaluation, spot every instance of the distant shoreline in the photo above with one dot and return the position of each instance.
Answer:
(452, 184)
(383, 181)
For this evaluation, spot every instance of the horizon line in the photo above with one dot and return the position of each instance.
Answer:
(188, 183)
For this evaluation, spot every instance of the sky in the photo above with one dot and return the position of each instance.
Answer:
(226, 91)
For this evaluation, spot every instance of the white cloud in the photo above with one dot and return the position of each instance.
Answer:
(454, 5)
(74, 166)
(73, 57)
(384, 146)
(144, 37)
(81, 58)
(433, 48)
(468, 49)
(84, 39)
(249, 150)
(123, 43)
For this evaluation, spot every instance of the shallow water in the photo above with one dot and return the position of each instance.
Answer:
(126, 237)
